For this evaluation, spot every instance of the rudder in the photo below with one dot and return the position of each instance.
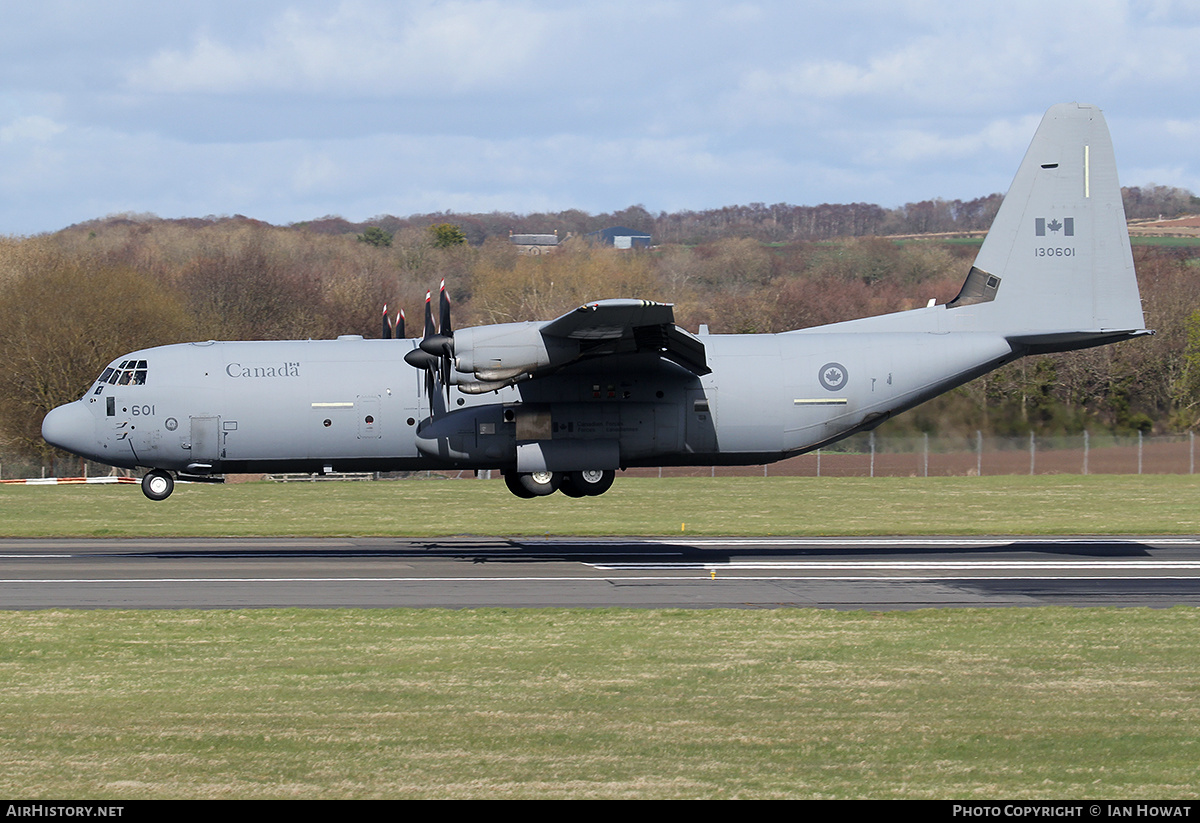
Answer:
(1056, 266)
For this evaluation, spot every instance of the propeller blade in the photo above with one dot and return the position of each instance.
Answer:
(399, 329)
(444, 309)
(442, 343)
(386, 334)
(430, 331)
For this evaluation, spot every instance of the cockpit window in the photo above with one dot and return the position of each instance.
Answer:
(126, 373)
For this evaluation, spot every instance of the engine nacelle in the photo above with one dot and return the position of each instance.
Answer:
(509, 350)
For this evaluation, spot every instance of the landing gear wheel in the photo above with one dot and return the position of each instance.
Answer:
(590, 482)
(569, 489)
(536, 484)
(513, 481)
(158, 484)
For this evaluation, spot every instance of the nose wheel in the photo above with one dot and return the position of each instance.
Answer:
(158, 484)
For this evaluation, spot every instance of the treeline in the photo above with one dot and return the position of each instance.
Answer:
(72, 301)
(779, 223)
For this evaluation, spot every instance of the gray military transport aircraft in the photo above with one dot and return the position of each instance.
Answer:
(561, 405)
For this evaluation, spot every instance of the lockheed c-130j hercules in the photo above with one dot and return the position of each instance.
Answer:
(563, 404)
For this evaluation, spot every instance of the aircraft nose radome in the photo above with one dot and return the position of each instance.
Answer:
(70, 427)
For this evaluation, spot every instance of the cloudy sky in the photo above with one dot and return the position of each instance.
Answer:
(286, 111)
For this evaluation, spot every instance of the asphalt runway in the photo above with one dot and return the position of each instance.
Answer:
(470, 572)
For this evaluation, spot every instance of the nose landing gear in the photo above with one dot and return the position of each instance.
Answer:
(158, 484)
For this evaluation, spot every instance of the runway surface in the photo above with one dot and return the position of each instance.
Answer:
(468, 572)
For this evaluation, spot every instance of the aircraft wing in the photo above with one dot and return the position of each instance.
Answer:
(609, 319)
(509, 352)
(626, 326)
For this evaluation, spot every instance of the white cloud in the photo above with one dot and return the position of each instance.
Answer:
(359, 48)
(32, 128)
(316, 171)
(289, 109)
(1183, 129)
(909, 146)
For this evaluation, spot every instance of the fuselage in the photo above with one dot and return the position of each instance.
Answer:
(615, 383)
(354, 405)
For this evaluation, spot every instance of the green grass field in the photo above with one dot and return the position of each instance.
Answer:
(970, 704)
(976, 704)
(1056, 504)
(1170, 242)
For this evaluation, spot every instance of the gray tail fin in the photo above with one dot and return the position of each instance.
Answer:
(1056, 271)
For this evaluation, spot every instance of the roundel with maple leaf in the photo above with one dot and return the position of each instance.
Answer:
(833, 376)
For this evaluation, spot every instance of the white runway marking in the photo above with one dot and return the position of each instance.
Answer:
(907, 565)
(954, 570)
(34, 556)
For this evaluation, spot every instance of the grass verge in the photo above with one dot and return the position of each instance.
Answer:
(1057, 504)
(973, 704)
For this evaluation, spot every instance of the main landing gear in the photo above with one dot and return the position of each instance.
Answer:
(588, 483)
(158, 484)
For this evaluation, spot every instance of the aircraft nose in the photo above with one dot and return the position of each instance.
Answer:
(70, 427)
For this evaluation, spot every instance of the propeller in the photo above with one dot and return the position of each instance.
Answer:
(439, 344)
(435, 352)
(421, 357)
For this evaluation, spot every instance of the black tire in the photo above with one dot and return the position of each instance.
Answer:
(569, 488)
(539, 484)
(590, 482)
(158, 484)
(513, 481)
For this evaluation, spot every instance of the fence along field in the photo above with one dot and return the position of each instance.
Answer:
(867, 455)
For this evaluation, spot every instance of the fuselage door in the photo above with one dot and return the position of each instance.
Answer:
(121, 431)
(205, 443)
